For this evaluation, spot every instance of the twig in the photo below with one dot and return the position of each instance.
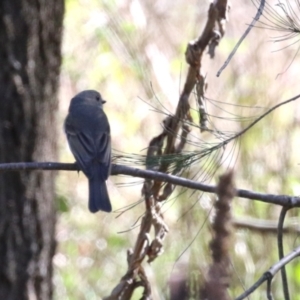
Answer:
(135, 275)
(264, 226)
(269, 290)
(257, 284)
(261, 117)
(281, 252)
(271, 272)
(256, 18)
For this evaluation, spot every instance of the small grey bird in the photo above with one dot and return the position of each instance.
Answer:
(88, 135)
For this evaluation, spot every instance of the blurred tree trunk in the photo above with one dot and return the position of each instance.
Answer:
(30, 58)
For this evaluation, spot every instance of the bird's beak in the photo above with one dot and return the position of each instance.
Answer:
(103, 101)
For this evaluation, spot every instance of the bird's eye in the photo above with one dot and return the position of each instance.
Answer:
(97, 98)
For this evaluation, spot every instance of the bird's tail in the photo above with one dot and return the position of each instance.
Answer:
(98, 199)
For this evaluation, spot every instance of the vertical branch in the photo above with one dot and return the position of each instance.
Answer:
(210, 37)
(281, 252)
(160, 150)
(218, 277)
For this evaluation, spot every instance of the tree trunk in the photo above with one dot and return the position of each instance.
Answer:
(30, 58)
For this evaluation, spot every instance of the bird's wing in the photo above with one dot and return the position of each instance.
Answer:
(82, 146)
(103, 148)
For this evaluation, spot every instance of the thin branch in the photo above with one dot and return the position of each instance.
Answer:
(257, 284)
(53, 166)
(282, 200)
(256, 18)
(264, 226)
(269, 290)
(281, 252)
(261, 117)
(271, 273)
(284, 261)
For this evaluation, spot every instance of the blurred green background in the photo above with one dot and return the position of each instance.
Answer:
(133, 53)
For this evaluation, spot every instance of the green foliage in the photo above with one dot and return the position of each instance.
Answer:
(62, 204)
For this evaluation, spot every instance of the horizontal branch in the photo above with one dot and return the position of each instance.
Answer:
(264, 226)
(283, 200)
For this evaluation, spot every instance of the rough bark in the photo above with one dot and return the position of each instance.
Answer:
(30, 39)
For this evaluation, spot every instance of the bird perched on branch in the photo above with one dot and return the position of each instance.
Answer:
(88, 135)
